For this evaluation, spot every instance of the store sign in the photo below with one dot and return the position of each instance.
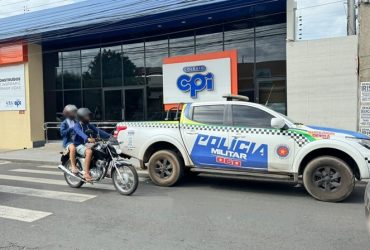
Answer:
(202, 77)
(12, 88)
(364, 121)
(196, 82)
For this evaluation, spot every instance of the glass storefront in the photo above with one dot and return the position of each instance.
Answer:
(125, 81)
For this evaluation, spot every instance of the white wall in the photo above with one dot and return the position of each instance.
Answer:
(322, 82)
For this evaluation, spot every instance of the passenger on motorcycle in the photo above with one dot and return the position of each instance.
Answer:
(67, 133)
(81, 138)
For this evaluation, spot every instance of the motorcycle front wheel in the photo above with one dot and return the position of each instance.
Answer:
(126, 180)
(73, 181)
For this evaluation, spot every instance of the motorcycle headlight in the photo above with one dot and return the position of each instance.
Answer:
(363, 142)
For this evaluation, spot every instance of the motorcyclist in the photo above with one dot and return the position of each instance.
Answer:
(81, 138)
(67, 133)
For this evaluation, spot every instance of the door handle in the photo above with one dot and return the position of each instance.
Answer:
(192, 132)
(238, 136)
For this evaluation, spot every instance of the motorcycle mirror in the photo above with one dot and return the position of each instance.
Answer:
(89, 132)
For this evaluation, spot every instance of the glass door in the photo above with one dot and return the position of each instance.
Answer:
(113, 108)
(135, 104)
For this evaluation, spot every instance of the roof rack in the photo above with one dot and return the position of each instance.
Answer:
(241, 98)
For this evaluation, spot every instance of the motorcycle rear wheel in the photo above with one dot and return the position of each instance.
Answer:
(71, 181)
(130, 181)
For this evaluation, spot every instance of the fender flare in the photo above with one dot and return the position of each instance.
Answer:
(332, 144)
(168, 139)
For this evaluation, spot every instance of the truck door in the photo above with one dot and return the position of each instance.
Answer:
(257, 144)
(204, 134)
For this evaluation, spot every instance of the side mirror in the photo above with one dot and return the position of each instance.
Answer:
(277, 123)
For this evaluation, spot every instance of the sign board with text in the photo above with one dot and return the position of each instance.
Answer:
(364, 117)
(202, 77)
(12, 88)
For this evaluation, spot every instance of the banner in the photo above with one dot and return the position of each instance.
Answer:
(12, 88)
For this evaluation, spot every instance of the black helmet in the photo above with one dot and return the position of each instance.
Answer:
(82, 113)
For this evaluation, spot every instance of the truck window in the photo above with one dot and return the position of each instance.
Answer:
(210, 114)
(247, 116)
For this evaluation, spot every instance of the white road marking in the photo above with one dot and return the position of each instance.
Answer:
(58, 172)
(21, 214)
(52, 182)
(46, 193)
(4, 162)
(36, 171)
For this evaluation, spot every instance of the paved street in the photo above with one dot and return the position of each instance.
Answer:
(39, 211)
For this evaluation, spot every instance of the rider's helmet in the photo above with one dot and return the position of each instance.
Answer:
(70, 111)
(83, 114)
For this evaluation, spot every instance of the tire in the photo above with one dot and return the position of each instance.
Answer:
(328, 178)
(131, 179)
(165, 168)
(73, 182)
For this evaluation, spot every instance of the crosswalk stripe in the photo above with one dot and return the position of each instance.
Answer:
(21, 214)
(51, 181)
(46, 193)
(48, 167)
(36, 171)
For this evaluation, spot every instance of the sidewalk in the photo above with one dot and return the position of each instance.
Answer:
(47, 155)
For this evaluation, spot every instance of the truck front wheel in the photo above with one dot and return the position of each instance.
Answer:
(328, 178)
(165, 168)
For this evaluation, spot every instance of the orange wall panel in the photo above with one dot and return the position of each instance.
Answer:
(13, 53)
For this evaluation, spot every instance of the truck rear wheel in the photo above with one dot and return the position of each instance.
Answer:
(165, 168)
(328, 178)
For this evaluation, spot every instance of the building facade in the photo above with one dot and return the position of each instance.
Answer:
(112, 63)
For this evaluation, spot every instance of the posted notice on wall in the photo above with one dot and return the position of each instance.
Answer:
(12, 88)
(365, 92)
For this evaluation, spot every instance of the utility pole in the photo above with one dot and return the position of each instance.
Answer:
(351, 17)
(364, 38)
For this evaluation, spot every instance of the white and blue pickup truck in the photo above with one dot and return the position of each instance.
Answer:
(235, 137)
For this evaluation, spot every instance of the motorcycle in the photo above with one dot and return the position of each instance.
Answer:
(105, 162)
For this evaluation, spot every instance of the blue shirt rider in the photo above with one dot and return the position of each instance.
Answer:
(81, 138)
(67, 133)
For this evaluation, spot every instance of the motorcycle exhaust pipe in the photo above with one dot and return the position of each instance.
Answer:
(65, 170)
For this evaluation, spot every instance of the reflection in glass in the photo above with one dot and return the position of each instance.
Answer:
(240, 36)
(133, 64)
(182, 45)
(71, 69)
(271, 65)
(134, 105)
(271, 50)
(91, 67)
(155, 52)
(273, 94)
(113, 105)
(112, 66)
(93, 101)
(73, 97)
(209, 40)
(59, 73)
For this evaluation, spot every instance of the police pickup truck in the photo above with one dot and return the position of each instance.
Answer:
(237, 137)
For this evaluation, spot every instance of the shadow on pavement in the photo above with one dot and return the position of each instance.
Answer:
(263, 187)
